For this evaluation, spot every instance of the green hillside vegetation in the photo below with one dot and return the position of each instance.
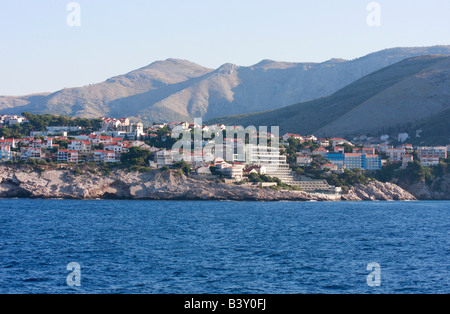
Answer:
(38, 123)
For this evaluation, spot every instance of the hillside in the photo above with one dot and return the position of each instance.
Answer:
(93, 101)
(180, 90)
(411, 95)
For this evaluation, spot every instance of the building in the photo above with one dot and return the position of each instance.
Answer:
(396, 154)
(98, 139)
(114, 147)
(104, 156)
(407, 159)
(320, 151)
(12, 119)
(304, 161)
(80, 146)
(5, 153)
(234, 171)
(10, 142)
(330, 167)
(338, 141)
(364, 150)
(384, 147)
(109, 124)
(287, 136)
(63, 129)
(429, 161)
(337, 159)
(355, 161)
(276, 164)
(30, 153)
(371, 162)
(65, 155)
(306, 151)
(408, 148)
(439, 151)
(323, 142)
(255, 169)
(310, 138)
(164, 158)
(317, 186)
(47, 143)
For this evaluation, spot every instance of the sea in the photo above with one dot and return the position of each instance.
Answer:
(184, 247)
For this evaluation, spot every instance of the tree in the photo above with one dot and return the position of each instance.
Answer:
(348, 148)
(183, 166)
(136, 157)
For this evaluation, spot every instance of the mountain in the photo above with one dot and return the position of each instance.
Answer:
(174, 90)
(93, 101)
(409, 96)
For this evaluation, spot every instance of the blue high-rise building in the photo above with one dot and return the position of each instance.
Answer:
(355, 161)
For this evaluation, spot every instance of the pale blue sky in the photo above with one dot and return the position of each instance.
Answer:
(39, 52)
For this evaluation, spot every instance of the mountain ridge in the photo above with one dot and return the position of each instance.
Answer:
(177, 89)
(401, 97)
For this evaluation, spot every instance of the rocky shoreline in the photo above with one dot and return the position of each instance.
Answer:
(28, 182)
(438, 189)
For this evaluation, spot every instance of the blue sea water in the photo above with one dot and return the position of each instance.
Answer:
(223, 247)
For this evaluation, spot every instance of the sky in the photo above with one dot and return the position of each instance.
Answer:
(41, 50)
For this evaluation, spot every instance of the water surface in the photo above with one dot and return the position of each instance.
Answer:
(223, 247)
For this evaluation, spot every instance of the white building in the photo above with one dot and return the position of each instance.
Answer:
(80, 146)
(331, 167)
(338, 141)
(113, 124)
(11, 119)
(234, 171)
(408, 147)
(164, 158)
(104, 156)
(65, 155)
(114, 147)
(304, 161)
(440, 151)
(396, 154)
(406, 160)
(30, 153)
(47, 143)
(269, 157)
(63, 129)
(287, 136)
(10, 142)
(320, 151)
(429, 161)
(5, 153)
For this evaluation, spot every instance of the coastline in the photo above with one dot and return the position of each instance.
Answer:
(31, 183)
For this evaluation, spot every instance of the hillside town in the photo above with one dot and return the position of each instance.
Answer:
(116, 137)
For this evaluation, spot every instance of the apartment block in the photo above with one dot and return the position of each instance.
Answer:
(355, 161)
(30, 153)
(5, 153)
(104, 156)
(80, 146)
(439, 151)
(65, 155)
(396, 154)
